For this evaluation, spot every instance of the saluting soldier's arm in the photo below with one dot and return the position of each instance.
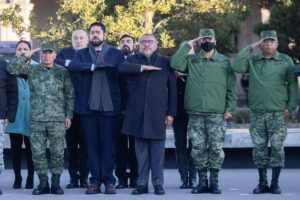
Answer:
(179, 59)
(292, 85)
(18, 66)
(241, 63)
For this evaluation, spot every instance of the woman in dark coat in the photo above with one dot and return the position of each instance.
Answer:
(19, 130)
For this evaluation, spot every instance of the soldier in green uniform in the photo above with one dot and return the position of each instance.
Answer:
(51, 102)
(210, 98)
(272, 97)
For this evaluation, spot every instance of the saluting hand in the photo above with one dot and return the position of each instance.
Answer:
(255, 44)
(31, 53)
(150, 68)
(192, 42)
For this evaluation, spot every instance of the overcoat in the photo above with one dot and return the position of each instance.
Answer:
(152, 96)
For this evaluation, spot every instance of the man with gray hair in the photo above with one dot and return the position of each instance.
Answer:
(151, 107)
(75, 140)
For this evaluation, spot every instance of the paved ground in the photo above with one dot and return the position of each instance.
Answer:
(236, 184)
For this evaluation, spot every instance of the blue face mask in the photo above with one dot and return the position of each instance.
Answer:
(207, 46)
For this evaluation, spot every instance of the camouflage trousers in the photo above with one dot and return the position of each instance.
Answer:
(41, 134)
(1, 145)
(268, 128)
(206, 132)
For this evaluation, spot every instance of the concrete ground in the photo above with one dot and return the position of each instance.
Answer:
(236, 184)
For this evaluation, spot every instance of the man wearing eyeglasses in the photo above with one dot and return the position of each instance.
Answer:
(210, 99)
(151, 107)
(272, 97)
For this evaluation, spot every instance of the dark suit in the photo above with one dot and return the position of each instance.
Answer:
(100, 127)
(77, 157)
(152, 98)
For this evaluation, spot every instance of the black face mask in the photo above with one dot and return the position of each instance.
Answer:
(207, 46)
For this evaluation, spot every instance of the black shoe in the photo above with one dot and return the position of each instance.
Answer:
(110, 189)
(72, 184)
(140, 189)
(275, 189)
(199, 189)
(18, 183)
(262, 186)
(0, 191)
(93, 189)
(84, 183)
(57, 190)
(41, 190)
(122, 185)
(184, 185)
(29, 183)
(159, 190)
(214, 182)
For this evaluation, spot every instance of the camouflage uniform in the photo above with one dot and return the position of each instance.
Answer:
(51, 101)
(210, 92)
(1, 145)
(275, 125)
(206, 129)
(272, 90)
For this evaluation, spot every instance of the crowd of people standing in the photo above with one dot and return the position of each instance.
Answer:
(112, 106)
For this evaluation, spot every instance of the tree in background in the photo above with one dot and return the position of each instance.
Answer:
(284, 18)
(171, 20)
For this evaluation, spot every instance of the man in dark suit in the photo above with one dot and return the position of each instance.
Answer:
(151, 106)
(8, 104)
(98, 101)
(125, 153)
(76, 145)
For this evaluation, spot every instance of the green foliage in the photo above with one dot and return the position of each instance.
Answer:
(171, 20)
(11, 17)
(285, 19)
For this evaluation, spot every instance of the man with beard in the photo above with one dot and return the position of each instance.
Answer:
(151, 106)
(76, 145)
(98, 101)
(210, 99)
(272, 97)
(125, 153)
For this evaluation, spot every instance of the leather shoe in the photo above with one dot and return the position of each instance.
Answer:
(93, 189)
(140, 189)
(41, 190)
(159, 190)
(110, 189)
(17, 183)
(122, 186)
(72, 184)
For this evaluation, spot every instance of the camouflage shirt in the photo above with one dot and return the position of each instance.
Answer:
(51, 90)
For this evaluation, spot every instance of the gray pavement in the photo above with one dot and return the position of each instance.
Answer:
(236, 184)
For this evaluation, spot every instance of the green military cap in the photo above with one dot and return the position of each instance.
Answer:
(48, 46)
(269, 34)
(206, 32)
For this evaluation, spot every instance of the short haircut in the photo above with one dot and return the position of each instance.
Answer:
(127, 35)
(23, 41)
(98, 24)
(149, 34)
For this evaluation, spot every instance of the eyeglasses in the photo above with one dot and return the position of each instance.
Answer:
(143, 42)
